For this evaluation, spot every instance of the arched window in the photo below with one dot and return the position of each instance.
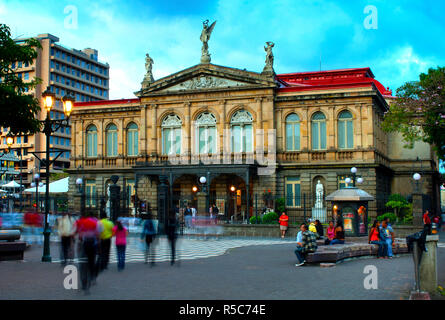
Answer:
(242, 131)
(91, 141)
(318, 131)
(345, 130)
(132, 139)
(171, 134)
(292, 132)
(206, 133)
(111, 133)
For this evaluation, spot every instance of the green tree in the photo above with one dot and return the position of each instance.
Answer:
(419, 111)
(17, 108)
(397, 202)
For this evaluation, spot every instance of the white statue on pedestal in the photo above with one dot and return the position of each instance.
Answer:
(319, 195)
(108, 206)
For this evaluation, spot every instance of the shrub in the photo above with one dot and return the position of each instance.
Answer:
(392, 217)
(253, 220)
(270, 218)
(397, 202)
(280, 205)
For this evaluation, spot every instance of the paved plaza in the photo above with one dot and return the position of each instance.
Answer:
(244, 269)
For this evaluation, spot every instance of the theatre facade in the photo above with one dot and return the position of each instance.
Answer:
(254, 136)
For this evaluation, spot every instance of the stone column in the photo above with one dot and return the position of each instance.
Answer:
(428, 265)
(188, 129)
(143, 130)
(154, 140)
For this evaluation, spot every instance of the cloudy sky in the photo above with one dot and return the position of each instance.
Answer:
(406, 38)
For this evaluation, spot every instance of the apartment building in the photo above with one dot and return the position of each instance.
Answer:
(63, 71)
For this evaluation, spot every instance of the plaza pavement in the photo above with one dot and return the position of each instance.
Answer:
(254, 272)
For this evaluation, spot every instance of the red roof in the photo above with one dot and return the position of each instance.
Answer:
(331, 79)
(106, 102)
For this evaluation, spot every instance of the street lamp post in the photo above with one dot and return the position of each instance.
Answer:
(51, 126)
(416, 178)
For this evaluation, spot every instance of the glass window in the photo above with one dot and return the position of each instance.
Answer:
(206, 133)
(91, 141)
(171, 134)
(293, 194)
(111, 134)
(292, 132)
(26, 76)
(345, 130)
(242, 131)
(132, 139)
(318, 131)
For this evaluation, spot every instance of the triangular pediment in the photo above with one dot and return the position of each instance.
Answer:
(207, 77)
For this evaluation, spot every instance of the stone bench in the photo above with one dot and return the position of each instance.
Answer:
(337, 252)
(10, 249)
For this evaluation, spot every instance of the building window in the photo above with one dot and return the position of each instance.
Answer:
(292, 132)
(206, 133)
(111, 134)
(293, 194)
(26, 76)
(345, 130)
(92, 141)
(318, 131)
(171, 134)
(90, 193)
(241, 131)
(132, 139)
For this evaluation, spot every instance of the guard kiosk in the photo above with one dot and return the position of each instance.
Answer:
(350, 205)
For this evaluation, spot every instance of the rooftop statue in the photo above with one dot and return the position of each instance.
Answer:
(148, 78)
(268, 68)
(205, 37)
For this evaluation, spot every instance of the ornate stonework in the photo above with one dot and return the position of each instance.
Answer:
(205, 82)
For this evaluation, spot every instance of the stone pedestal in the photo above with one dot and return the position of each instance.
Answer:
(428, 265)
(320, 214)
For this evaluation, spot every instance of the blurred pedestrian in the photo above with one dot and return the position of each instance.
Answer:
(88, 233)
(188, 217)
(148, 235)
(120, 232)
(171, 231)
(284, 223)
(105, 241)
(66, 231)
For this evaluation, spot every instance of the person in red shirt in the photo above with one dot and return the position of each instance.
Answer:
(88, 231)
(284, 223)
(427, 221)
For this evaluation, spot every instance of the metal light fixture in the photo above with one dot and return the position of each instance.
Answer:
(232, 188)
(359, 180)
(9, 139)
(417, 176)
(195, 188)
(203, 180)
(33, 184)
(79, 181)
(353, 170)
(68, 102)
(36, 176)
(348, 180)
(48, 100)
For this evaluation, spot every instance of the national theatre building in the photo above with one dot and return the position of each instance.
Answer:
(254, 136)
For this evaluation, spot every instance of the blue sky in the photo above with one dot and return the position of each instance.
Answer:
(408, 39)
